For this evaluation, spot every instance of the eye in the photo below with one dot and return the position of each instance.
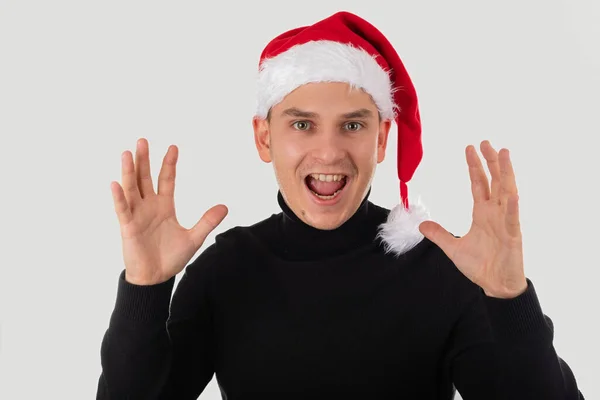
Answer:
(301, 125)
(353, 126)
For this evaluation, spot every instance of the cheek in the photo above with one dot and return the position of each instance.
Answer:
(366, 153)
(287, 153)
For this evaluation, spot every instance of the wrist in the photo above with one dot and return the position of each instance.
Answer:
(505, 292)
(143, 281)
(143, 302)
(519, 319)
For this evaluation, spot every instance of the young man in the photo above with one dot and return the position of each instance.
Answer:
(334, 297)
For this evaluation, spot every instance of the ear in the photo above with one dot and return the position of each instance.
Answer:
(262, 138)
(382, 138)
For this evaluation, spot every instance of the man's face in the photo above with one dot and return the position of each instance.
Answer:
(324, 141)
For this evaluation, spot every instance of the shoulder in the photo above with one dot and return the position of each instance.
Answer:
(455, 285)
(426, 264)
(236, 243)
(227, 257)
(249, 238)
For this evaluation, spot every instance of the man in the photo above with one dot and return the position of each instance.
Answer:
(334, 297)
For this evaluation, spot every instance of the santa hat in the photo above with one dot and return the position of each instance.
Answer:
(346, 48)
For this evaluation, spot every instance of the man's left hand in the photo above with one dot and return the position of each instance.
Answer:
(491, 253)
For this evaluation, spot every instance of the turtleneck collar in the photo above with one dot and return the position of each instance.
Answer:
(301, 242)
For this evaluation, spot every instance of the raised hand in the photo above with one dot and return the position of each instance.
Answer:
(491, 253)
(155, 246)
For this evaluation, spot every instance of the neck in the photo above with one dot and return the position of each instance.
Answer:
(300, 241)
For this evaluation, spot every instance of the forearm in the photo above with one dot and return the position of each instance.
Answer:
(527, 363)
(136, 351)
(503, 350)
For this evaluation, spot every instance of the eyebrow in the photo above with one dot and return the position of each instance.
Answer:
(362, 113)
(296, 112)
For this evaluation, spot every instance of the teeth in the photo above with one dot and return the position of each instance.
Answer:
(327, 178)
(327, 197)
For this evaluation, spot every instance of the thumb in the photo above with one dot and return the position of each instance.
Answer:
(438, 235)
(207, 223)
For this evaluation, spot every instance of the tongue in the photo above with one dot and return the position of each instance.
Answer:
(324, 188)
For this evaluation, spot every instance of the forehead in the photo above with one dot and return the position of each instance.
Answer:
(327, 97)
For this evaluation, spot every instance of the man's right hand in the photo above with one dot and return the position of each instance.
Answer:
(155, 246)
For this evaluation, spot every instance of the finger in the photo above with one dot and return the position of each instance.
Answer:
(166, 178)
(513, 225)
(439, 236)
(122, 209)
(130, 187)
(479, 183)
(508, 183)
(142, 166)
(209, 221)
(491, 157)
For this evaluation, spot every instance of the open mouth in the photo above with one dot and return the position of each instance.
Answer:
(326, 186)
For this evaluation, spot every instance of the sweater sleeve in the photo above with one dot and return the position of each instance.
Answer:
(503, 349)
(158, 348)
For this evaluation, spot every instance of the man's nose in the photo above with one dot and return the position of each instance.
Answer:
(329, 147)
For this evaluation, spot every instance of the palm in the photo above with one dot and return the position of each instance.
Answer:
(486, 247)
(154, 238)
(490, 254)
(149, 216)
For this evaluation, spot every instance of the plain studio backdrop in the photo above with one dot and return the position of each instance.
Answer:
(81, 81)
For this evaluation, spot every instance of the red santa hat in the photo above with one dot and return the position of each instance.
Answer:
(346, 48)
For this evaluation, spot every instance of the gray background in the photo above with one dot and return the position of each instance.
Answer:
(80, 81)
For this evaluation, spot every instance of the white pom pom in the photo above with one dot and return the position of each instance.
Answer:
(400, 232)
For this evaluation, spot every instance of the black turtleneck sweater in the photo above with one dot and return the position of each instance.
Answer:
(281, 310)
